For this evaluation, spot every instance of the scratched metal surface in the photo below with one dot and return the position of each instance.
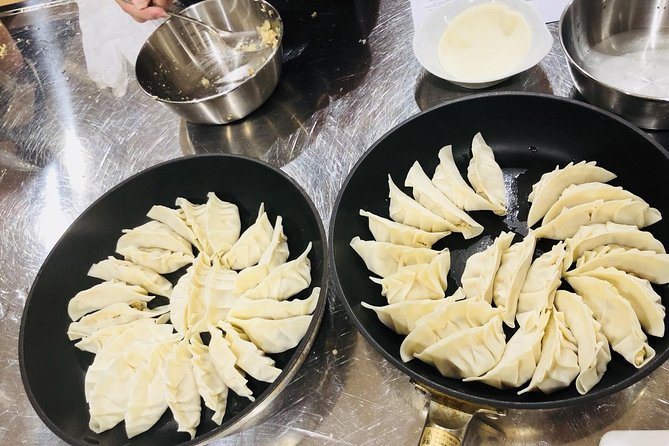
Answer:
(349, 77)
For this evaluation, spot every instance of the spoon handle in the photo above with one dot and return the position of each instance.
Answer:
(176, 14)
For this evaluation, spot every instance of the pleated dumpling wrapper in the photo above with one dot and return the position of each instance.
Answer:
(486, 176)
(593, 347)
(448, 180)
(427, 194)
(521, 355)
(616, 315)
(480, 269)
(558, 363)
(551, 185)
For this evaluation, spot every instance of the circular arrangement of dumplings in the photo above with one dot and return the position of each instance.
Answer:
(230, 309)
(560, 336)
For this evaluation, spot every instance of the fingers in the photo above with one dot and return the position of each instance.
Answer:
(141, 4)
(162, 3)
(141, 11)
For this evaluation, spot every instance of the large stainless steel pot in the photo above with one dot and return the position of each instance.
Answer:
(618, 56)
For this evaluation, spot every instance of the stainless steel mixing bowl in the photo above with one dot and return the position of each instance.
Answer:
(618, 55)
(204, 79)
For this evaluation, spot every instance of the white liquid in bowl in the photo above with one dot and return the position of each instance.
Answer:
(484, 42)
(632, 61)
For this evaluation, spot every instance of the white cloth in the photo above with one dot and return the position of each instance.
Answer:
(111, 41)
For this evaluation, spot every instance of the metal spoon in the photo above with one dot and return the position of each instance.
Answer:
(230, 38)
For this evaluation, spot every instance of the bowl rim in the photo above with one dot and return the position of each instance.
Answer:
(541, 39)
(576, 65)
(277, 49)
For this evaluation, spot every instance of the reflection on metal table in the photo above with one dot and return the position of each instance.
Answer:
(349, 77)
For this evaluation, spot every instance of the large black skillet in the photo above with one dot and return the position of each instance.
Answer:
(530, 135)
(53, 370)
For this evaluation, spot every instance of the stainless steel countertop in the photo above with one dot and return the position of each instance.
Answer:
(349, 77)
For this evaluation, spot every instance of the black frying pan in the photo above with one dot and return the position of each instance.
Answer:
(530, 135)
(53, 370)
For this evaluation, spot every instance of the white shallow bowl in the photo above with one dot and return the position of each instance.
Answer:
(427, 37)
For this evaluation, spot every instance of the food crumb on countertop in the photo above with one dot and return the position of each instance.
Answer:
(3, 51)
(314, 15)
(205, 82)
(334, 352)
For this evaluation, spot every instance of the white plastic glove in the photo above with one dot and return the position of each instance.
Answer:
(111, 41)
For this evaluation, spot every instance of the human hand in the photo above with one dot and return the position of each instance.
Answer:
(143, 10)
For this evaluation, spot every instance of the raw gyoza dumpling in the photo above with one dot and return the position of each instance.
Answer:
(542, 279)
(216, 224)
(181, 391)
(549, 188)
(103, 295)
(97, 340)
(115, 314)
(189, 307)
(385, 230)
(480, 269)
(285, 280)
(647, 304)
(645, 264)
(578, 194)
(615, 313)
(486, 176)
(570, 220)
(401, 317)
(626, 212)
(196, 219)
(223, 224)
(159, 260)
(249, 358)
(558, 362)
(415, 282)
(106, 385)
(218, 293)
(208, 381)
(124, 271)
(276, 254)
(115, 341)
(520, 356)
(251, 244)
(384, 259)
(108, 398)
(224, 363)
(153, 235)
(448, 180)
(244, 308)
(274, 336)
(427, 194)
(406, 210)
(176, 221)
(179, 301)
(511, 276)
(148, 396)
(453, 314)
(590, 237)
(593, 347)
(468, 352)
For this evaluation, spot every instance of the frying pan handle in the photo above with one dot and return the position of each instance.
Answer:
(448, 421)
